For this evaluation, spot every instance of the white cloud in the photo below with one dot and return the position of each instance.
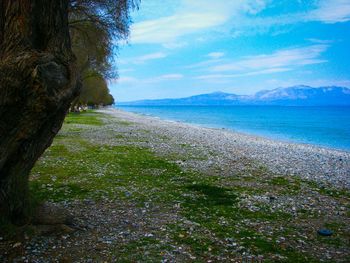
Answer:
(325, 11)
(193, 16)
(173, 45)
(237, 18)
(143, 59)
(172, 76)
(279, 59)
(331, 11)
(167, 29)
(165, 77)
(252, 73)
(123, 80)
(216, 55)
(137, 81)
(205, 64)
(214, 58)
(320, 41)
(254, 7)
(147, 57)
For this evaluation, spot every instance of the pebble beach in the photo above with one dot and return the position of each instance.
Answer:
(232, 149)
(142, 189)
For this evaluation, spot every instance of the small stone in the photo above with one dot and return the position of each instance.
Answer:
(325, 232)
(272, 198)
(17, 244)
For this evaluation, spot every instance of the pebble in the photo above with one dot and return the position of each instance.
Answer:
(325, 232)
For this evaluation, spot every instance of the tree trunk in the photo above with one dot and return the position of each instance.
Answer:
(37, 85)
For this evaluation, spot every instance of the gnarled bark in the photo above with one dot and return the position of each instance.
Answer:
(37, 85)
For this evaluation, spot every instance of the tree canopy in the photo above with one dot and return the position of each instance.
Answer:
(94, 27)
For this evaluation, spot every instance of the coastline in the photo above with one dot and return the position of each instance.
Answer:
(310, 162)
(267, 136)
(182, 193)
(324, 136)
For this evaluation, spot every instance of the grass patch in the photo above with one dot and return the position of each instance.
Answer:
(328, 190)
(146, 249)
(98, 171)
(87, 118)
(122, 122)
(213, 195)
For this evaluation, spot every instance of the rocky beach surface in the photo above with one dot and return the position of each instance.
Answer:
(315, 163)
(142, 189)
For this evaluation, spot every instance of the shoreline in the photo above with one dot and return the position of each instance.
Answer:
(267, 135)
(242, 132)
(310, 162)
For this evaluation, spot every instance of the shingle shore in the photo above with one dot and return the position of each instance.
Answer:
(222, 148)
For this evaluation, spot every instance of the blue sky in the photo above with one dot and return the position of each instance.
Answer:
(179, 48)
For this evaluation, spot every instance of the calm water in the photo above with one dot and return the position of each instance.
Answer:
(325, 126)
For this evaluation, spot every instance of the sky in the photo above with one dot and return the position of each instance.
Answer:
(180, 48)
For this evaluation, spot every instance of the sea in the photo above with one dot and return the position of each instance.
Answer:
(322, 126)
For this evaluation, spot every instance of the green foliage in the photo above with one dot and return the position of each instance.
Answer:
(94, 28)
(95, 91)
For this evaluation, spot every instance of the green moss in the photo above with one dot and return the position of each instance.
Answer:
(212, 195)
(121, 122)
(280, 181)
(287, 184)
(87, 118)
(329, 191)
(145, 249)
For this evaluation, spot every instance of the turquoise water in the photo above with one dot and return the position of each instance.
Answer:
(324, 126)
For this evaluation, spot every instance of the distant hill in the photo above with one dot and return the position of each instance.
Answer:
(292, 96)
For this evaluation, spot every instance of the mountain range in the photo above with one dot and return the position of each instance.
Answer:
(291, 96)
